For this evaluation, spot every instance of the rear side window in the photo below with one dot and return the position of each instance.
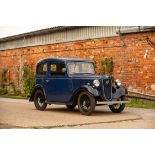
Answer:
(57, 68)
(42, 69)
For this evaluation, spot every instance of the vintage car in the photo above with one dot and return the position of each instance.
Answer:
(73, 82)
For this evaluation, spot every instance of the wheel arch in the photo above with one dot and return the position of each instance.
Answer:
(87, 88)
(118, 92)
(36, 87)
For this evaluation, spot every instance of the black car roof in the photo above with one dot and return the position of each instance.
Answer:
(62, 60)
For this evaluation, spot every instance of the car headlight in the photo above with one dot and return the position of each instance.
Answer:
(118, 82)
(96, 83)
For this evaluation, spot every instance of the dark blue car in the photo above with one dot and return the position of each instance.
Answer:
(74, 82)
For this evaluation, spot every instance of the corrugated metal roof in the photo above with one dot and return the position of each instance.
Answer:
(123, 29)
(59, 34)
(38, 32)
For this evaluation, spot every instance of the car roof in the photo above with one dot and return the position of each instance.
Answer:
(61, 60)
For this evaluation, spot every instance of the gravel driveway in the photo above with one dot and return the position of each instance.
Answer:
(17, 113)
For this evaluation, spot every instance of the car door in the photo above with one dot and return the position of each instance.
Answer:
(41, 76)
(59, 87)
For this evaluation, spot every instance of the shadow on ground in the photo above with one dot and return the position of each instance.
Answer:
(76, 111)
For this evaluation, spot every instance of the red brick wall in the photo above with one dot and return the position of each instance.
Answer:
(130, 66)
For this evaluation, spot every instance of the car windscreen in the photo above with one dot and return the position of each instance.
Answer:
(81, 68)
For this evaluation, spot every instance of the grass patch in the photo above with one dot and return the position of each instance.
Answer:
(3, 91)
(137, 103)
(13, 96)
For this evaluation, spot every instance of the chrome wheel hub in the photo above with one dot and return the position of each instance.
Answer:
(117, 106)
(40, 102)
(85, 105)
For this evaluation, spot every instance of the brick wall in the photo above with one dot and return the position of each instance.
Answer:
(136, 72)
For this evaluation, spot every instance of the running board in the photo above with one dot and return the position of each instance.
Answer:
(111, 102)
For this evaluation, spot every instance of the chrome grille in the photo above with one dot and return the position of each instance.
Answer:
(107, 89)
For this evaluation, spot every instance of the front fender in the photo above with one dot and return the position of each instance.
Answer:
(120, 91)
(91, 90)
(34, 90)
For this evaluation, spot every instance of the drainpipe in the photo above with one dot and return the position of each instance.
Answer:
(20, 72)
(21, 69)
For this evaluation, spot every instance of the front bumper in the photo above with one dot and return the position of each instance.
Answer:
(111, 102)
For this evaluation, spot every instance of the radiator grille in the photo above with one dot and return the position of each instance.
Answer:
(107, 89)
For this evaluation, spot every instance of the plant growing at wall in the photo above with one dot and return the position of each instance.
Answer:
(3, 91)
(106, 66)
(28, 80)
(3, 77)
(13, 88)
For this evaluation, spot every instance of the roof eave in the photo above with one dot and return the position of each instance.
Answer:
(38, 32)
(136, 29)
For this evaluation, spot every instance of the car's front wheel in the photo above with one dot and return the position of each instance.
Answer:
(39, 100)
(86, 103)
(117, 108)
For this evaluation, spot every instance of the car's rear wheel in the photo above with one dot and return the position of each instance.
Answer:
(118, 108)
(39, 100)
(86, 103)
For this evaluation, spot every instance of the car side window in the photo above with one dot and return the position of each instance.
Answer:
(57, 69)
(42, 69)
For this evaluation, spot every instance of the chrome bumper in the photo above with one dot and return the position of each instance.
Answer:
(111, 102)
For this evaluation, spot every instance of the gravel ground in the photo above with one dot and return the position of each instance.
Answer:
(19, 113)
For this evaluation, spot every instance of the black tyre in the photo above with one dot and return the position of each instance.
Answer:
(86, 103)
(39, 100)
(118, 108)
(71, 106)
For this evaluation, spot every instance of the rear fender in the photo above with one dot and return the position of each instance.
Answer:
(36, 87)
